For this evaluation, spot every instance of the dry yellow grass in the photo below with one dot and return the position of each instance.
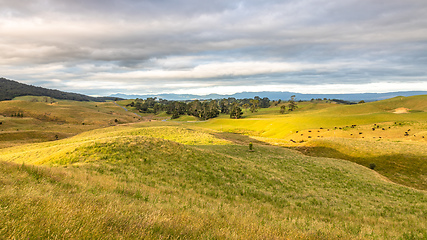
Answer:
(175, 180)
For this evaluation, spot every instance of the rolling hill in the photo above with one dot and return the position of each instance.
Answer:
(31, 119)
(164, 180)
(90, 170)
(10, 89)
(363, 133)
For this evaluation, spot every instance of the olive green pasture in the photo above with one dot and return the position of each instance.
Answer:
(368, 133)
(80, 170)
(165, 180)
(47, 121)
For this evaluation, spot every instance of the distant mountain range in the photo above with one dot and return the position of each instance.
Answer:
(354, 97)
(10, 89)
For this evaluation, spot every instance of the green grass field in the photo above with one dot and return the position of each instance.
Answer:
(176, 182)
(45, 121)
(198, 180)
(325, 129)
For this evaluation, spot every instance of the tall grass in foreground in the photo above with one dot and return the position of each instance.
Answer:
(132, 183)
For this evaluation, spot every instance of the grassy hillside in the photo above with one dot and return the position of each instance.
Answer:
(363, 133)
(47, 121)
(10, 89)
(158, 180)
(401, 162)
(270, 123)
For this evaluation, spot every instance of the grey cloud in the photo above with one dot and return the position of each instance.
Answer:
(380, 39)
(115, 8)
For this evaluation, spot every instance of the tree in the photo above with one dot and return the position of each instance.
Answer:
(150, 102)
(254, 105)
(235, 112)
(195, 108)
(157, 107)
(212, 109)
(142, 107)
(223, 106)
(209, 109)
(175, 114)
(264, 103)
(292, 104)
(282, 109)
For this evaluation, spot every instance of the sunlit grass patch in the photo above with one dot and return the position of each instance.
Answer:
(125, 136)
(184, 118)
(401, 162)
(181, 135)
(133, 186)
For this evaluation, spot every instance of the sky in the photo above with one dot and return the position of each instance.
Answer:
(103, 47)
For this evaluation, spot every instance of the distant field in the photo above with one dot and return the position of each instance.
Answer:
(165, 180)
(270, 123)
(347, 132)
(47, 121)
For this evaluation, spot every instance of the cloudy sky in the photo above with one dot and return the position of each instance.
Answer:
(101, 47)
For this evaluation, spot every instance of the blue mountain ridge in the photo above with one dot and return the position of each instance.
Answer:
(353, 97)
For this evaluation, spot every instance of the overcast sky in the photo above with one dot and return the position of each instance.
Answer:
(101, 47)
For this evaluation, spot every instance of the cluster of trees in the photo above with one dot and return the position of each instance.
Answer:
(343, 101)
(319, 99)
(335, 100)
(146, 106)
(44, 99)
(204, 109)
(291, 106)
(17, 115)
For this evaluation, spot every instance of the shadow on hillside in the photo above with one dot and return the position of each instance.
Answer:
(408, 170)
(238, 138)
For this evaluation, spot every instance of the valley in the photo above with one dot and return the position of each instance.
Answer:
(94, 170)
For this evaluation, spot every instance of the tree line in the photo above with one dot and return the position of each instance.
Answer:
(204, 109)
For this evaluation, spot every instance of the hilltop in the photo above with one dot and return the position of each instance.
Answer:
(10, 89)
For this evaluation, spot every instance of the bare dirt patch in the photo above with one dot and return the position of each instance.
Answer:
(401, 110)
